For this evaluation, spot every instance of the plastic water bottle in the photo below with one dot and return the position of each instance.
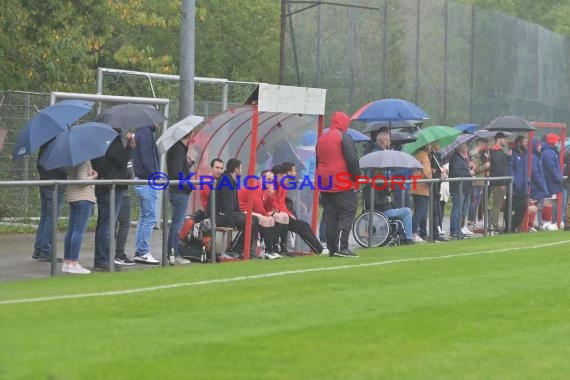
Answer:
(171, 257)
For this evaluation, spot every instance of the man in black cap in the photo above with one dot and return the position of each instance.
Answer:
(499, 168)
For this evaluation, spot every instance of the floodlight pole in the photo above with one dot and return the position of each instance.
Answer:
(187, 52)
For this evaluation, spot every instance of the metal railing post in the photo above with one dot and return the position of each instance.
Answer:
(165, 228)
(54, 218)
(213, 224)
(430, 213)
(460, 216)
(112, 228)
(486, 208)
(508, 219)
(370, 216)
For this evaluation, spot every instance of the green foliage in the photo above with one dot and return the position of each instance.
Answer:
(50, 45)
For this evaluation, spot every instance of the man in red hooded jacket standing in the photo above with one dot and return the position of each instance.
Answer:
(337, 157)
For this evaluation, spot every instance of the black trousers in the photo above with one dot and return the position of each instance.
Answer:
(520, 205)
(340, 210)
(238, 221)
(303, 229)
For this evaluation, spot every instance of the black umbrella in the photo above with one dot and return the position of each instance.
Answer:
(510, 124)
(131, 116)
(403, 124)
(399, 138)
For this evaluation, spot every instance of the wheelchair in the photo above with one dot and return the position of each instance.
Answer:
(386, 231)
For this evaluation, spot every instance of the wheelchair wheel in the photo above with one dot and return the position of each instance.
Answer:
(392, 243)
(380, 229)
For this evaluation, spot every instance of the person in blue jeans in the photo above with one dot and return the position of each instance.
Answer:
(44, 234)
(145, 163)
(81, 199)
(178, 161)
(384, 204)
(459, 167)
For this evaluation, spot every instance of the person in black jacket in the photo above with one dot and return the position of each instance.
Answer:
(178, 161)
(111, 166)
(459, 167)
(499, 168)
(44, 234)
(228, 213)
(145, 163)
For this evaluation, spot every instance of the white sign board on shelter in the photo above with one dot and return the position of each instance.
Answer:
(288, 99)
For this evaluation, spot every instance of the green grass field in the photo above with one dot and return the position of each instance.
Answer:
(496, 308)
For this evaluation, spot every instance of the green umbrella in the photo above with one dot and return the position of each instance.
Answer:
(444, 135)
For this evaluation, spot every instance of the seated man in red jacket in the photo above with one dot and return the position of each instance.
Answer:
(300, 227)
(257, 193)
(216, 170)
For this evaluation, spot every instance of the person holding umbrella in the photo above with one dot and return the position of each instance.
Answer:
(177, 162)
(81, 199)
(518, 169)
(74, 148)
(145, 163)
(111, 166)
(43, 242)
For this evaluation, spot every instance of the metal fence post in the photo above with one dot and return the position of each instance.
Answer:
(54, 218)
(508, 219)
(213, 224)
(460, 216)
(370, 216)
(430, 213)
(112, 228)
(485, 208)
(165, 227)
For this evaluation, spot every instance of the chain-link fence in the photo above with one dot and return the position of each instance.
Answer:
(459, 63)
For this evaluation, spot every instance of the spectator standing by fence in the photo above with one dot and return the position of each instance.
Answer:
(44, 233)
(81, 199)
(499, 168)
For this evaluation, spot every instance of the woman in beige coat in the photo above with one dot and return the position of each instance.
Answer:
(420, 194)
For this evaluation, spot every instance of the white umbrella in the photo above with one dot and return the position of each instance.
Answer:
(176, 132)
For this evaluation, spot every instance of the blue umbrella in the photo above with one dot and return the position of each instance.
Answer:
(356, 136)
(390, 110)
(49, 123)
(467, 128)
(78, 144)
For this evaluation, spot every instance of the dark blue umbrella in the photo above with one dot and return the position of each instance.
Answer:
(77, 145)
(467, 128)
(356, 136)
(49, 123)
(390, 110)
(403, 124)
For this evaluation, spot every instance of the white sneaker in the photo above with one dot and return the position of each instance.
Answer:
(466, 231)
(147, 259)
(325, 252)
(74, 269)
(277, 255)
(532, 229)
(417, 239)
(181, 260)
(270, 256)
